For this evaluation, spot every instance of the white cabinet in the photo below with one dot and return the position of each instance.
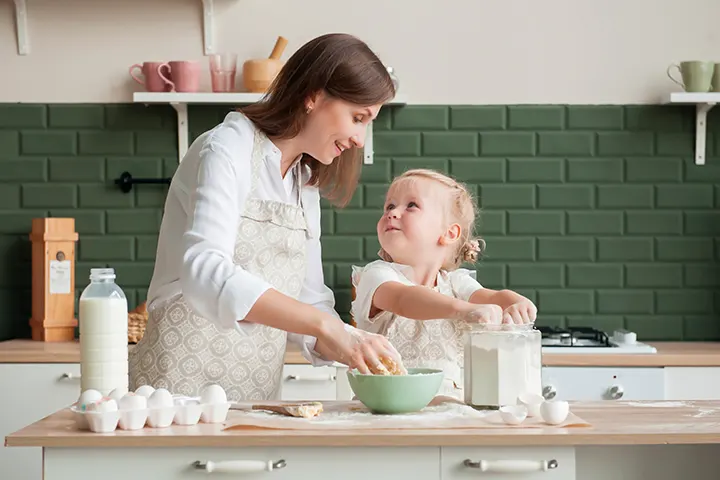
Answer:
(29, 393)
(305, 382)
(301, 463)
(508, 463)
(692, 383)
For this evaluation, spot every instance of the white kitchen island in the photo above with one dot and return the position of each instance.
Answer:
(667, 440)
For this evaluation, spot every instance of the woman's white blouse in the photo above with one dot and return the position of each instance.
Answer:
(202, 212)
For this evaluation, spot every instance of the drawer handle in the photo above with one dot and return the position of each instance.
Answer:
(312, 378)
(69, 376)
(239, 466)
(512, 466)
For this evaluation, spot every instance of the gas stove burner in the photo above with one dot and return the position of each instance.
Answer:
(574, 337)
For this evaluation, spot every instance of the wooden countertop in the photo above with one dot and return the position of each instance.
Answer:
(28, 351)
(669, 354)
(612, 423)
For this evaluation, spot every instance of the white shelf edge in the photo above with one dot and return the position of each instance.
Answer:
(23, 40)
(703, 102)
(208, 26)
(213, 98)
(180, 101)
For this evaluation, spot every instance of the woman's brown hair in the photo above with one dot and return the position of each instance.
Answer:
(343, 67)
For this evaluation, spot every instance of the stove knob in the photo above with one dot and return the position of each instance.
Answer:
(615, 392)
(549, 392)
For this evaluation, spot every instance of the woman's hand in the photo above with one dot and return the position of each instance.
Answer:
(367, 352)
(479, 313)
(520, 312)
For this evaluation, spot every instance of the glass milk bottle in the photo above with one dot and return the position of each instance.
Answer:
(501, 361)
(103, 319)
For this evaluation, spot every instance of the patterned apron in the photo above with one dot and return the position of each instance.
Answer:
(432, 344)
(184, 352)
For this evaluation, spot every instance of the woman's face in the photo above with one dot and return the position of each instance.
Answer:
(335, 125)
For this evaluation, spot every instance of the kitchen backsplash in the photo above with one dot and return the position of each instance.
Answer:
(597, 213)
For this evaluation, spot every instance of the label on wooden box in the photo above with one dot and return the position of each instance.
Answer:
(60, 273)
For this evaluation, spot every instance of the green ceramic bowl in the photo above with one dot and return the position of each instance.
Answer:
(396, 393)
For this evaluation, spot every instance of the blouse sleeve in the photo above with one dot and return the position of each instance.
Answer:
(212, 284)
(463, 283)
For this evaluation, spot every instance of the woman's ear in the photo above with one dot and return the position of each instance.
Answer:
(451, 235)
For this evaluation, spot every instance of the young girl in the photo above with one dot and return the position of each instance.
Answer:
(417, 296)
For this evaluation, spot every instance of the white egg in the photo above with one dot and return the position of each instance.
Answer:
(145, 391)
(132, 401)
(213, 394)
(160, 398)
(118, 393)
(106, 404)
(87, 397)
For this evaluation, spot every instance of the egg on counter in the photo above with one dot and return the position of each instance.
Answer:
(88, 397)
(160, 398)
(213, 394)
(105, 404)
(118, 393)
(133, 401)
(145, 391)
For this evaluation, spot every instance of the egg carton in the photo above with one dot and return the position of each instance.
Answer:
(147, 406)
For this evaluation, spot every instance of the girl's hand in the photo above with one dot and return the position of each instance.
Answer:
(520, 312)
(481, 313)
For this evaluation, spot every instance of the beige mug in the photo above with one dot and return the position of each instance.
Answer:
(697, 76)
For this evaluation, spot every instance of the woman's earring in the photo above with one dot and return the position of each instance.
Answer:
(308, 109)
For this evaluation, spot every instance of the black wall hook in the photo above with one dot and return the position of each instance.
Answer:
(126, 181)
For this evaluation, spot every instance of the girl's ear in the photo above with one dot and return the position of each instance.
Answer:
(451, 235)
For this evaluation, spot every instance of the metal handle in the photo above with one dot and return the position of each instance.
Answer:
(239, 466)
(615, 392)
(125, 181)
(512, 466)
(69, 376)
(312, 378)
(549, 392)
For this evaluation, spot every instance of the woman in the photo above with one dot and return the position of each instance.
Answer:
(238, 269)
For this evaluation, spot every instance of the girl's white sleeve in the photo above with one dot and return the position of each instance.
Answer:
(463, 283)
(366, 281)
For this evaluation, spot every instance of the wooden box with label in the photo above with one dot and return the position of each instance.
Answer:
(53, 279)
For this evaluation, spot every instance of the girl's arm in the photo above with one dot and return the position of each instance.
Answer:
(503, 298)
(417, 302)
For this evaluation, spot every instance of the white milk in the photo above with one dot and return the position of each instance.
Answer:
(500, 365)
(103, 319)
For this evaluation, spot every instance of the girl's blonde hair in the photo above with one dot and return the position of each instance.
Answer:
(461, 209)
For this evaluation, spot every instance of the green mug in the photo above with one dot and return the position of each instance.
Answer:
(697, 76)
(716, 78)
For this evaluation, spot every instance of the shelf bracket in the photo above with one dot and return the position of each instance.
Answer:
(368, 146)
(208, 26)
(21, 26)
(182, 128)
(701, 111)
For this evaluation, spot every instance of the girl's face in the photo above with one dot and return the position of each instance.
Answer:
(413, 222)
(334, 125)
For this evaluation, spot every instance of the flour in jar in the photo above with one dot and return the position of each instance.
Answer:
(502, 364)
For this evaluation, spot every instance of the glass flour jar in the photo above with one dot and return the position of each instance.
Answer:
(501, 361)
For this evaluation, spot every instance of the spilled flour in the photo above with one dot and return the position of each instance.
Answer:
(660, 404)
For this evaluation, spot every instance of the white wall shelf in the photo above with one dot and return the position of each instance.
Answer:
(180, 101)
(23, 40)
(703, 102)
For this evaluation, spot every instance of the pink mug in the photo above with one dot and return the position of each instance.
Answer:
(153, 82)
(185, 75)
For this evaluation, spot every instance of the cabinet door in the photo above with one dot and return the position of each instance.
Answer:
(305, 383)
(31, 391)
(300, 463)
(508, 463)
(692, 383)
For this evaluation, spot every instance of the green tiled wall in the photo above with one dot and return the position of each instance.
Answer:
(597, 213)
